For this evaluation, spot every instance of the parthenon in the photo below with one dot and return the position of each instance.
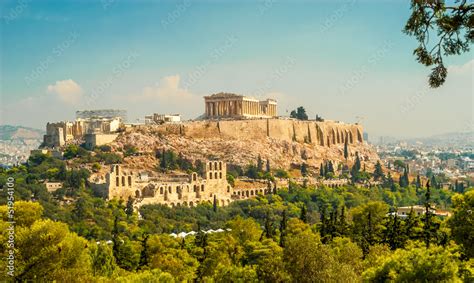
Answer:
(229, 105)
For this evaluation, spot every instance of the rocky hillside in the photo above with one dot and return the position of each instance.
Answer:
(243, 146)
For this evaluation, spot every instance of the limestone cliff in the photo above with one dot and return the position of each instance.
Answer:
(283, 142)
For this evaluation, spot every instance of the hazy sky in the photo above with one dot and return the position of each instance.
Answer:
(339, 59)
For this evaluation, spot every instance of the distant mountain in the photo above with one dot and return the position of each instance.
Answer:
(448, 139)
(9, 132)
(16, 142)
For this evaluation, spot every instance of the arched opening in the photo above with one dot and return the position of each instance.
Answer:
(191, 204)
(194, 176)
(161, 190)
(123, 181)
(220, 175)
(117, 183)
(220, 165)
(210, 175)
(195, 188)
(170, 190)
(202, 188)
(116, 169)
(215, 175)
(137, 194)
(129, 181)
(215, 165)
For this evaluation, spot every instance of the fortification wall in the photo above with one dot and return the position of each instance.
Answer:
(325, 133)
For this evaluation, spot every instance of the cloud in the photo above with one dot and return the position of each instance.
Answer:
(467, 68)
(167, 88)
(68, 91)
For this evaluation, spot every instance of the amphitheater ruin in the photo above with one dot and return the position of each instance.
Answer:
(191, 190)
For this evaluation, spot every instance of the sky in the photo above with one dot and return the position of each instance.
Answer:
(342, 60)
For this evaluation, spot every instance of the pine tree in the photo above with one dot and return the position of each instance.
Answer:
(321, 171)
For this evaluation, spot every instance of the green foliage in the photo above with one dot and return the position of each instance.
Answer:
(453, 26)
(299, 113)
(297, 234)
(462, 222)
(280, 173)
(129, 150)
(416, 263)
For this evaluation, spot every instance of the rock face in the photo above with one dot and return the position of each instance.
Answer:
(283, 142)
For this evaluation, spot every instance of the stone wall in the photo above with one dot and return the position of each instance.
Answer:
(311, 132)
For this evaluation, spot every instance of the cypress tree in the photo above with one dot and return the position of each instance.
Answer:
(214, 204)
(303, 215)
(321, 171)
(259, 164)
(428, 223)
(378, 171)
(129, 207)
(144, 252)
(283, 229)
(304, 169)
(268, 169)
(418, 181)
(346, 150)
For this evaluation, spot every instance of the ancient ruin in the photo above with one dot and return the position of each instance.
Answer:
(87, 125)
(190, 190)
(229, 105)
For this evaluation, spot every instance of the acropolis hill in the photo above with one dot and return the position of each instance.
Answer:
(283, 142)
(234, 128)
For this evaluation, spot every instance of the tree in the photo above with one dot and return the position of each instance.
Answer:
(346, 150)
(418, 181)
(462, 222)
(416, 264)
(268, 169)
(48, 250)
(404, 181)
(454, 27)
(304, 214)
(129, 207)
(103, 261)
(259, 164)
(304, 169)
(321, 171)
(428, 224)
(299, 114)
(283, 224)
(378, 171)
